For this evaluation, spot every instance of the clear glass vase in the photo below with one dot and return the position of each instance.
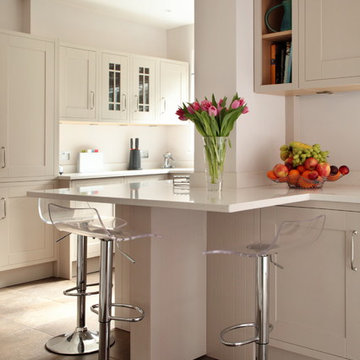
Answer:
(214, 155)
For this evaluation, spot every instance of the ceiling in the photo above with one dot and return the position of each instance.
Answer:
(164, 14)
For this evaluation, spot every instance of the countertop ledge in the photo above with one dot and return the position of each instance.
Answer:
(163, 194)
(121, 173)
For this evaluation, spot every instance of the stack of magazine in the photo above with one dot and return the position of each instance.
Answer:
(280, 62)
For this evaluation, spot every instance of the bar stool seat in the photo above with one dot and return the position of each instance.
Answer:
(289, 234)
(88, 222)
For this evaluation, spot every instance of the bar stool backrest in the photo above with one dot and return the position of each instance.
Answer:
(288, 234)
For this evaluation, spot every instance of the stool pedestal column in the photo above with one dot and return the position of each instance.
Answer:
(82, 340)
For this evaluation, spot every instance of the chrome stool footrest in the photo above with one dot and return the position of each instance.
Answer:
(240, 343)
(94, 309)
(74, 291)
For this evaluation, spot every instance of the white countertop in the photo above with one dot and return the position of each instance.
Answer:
(162, 194)
(120, 173)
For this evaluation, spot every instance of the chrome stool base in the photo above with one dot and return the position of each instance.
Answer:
(81, 341)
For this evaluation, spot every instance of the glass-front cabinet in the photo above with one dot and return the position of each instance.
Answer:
(143, 90)
(115, 74)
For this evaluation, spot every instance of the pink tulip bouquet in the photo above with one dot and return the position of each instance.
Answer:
(212, 118)
(214, 121)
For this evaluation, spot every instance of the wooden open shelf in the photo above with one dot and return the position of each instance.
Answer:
(278, 36)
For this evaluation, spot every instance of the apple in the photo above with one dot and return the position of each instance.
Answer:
(310, 163)
(344, 169)
(313, 175)
(280, 170)
(323, 169)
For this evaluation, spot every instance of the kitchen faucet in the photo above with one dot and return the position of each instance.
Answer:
(168, 161)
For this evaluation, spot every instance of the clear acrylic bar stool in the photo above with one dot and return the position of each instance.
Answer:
(81, 340)
(289, 234)
(87, 222)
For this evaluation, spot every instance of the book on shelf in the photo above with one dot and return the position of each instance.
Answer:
(280, 62)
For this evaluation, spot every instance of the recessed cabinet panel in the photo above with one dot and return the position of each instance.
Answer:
(143, 90)
(77, 83)
(331, 38)
(174, 90)
(115, 102)
(3, 108)
(28, 111)
(25, 239)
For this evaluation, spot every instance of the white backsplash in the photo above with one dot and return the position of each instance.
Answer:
(114, 142)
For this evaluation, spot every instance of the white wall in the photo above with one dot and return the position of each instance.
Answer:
(224, 65)
(333, 122)
(86, 27)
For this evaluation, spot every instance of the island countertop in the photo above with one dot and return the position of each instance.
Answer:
(163, 194)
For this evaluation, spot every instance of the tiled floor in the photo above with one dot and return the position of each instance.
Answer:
(32, 313)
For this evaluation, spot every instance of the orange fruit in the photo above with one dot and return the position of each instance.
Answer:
(334, 177)
(270, 174)
(293, 176)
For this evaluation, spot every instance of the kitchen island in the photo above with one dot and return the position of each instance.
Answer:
(170, 279)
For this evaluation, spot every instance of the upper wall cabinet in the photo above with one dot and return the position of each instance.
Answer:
(27, 110)
(174, 89)
(77, 83)
(143, 96)
(329, 43)
(115, 87)
(319, 53)
(112, 87)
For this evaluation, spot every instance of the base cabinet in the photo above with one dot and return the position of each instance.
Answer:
(25, 239)
(313, 302)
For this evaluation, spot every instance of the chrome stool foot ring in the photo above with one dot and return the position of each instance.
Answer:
(239, 326)
(81, 341)
(94, 308)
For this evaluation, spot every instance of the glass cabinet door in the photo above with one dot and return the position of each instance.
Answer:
(115, 87)
(143, 101)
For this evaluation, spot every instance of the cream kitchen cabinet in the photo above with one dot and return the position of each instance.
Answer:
(325, 47)
(143, 89)
(173, 89)
(27, 109)
(25, 239)
(314, 299)
(329, 43)
(115, 87)
(78, 90)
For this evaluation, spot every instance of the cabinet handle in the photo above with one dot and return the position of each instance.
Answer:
(137, 103)
(4, 157)
(163, 100)
(354, 233)
(92, 100)
(4, 208)
(124, 102)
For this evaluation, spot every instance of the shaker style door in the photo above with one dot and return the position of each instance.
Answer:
(27, 89)
(3, 107)
(4, 227)
(77, 83)
(329, 43)
(143, 91)
(115, 102)
(174, 90)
